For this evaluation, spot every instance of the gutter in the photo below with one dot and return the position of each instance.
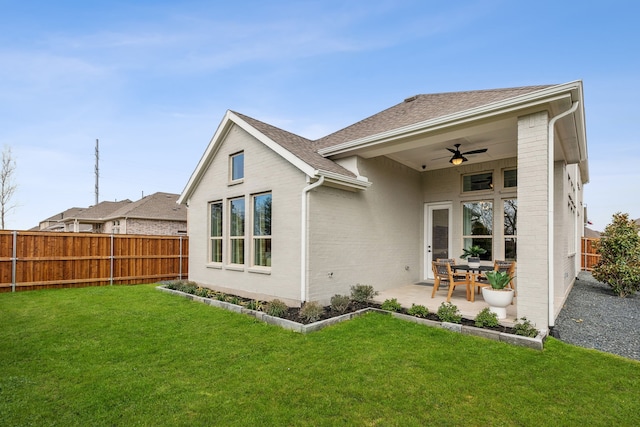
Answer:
(550, 213)
(303, 237)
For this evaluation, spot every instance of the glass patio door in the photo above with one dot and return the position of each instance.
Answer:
(437, 225)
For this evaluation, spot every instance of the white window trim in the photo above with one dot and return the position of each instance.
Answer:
(257, 268)
(239, 180)
(229, 264)
(210, 262)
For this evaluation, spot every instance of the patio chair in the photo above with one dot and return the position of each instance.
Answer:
(452, 262)
(443, 273)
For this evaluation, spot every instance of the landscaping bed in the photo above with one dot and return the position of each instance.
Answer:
(299, 320)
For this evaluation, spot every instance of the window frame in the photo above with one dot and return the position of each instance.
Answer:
(506, 236)
(469, 238)
(469, 176)
(257, 232)
(219, 237)
(234, 239)
(504, 179)
(233, 168)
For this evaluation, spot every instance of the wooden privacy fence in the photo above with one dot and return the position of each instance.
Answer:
(589, 256)
(42, 260)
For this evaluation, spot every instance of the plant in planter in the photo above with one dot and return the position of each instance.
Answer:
(498, 296)
(472, 254)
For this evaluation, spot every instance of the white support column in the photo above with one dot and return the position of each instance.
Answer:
(533, 224)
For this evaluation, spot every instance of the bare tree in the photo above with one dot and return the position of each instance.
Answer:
(7, 187)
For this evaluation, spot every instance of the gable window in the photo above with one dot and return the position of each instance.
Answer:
(510, 229)
(236, 167)
(215, 245)
(262, 230)
(236, 231)
(476, 182)
(477, 226)
(510, 177)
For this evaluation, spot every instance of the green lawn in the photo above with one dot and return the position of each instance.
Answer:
(134, 356)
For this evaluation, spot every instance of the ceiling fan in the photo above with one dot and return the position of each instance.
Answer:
(459, 157)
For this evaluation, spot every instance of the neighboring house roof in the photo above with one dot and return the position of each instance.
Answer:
(591, 234)
(99, 212)
(71, 212)
(157, 206)
(419, 108)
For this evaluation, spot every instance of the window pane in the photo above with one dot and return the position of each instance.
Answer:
(262, 215)
(237, 166)
(510, 217)
(481, 181)
(485, 243)
(216, 219)
(216, 250)
(477, 219)
(237, 217)
(510, 178)
(262, 252)
(510, 249)
(237, 251)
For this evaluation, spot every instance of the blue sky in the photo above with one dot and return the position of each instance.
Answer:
(152, 80)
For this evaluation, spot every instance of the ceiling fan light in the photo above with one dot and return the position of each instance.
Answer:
(456, 160)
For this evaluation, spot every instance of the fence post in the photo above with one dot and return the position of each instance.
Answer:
(14, 261)
(180, 274)
(111, 263)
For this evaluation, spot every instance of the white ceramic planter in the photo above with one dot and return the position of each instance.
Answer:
(498, 300)
(473, 262)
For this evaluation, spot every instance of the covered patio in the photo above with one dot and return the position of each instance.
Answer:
(420, 294)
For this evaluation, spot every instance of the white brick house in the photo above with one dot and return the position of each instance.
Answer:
(375, 202)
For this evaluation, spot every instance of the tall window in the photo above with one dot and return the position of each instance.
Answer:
(477, 226)
(510, 229)
(236, 231)
(236, 166)
(262, 230)
(215, 238)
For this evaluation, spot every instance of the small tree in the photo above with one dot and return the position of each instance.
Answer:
(7, 187)
(619, 249)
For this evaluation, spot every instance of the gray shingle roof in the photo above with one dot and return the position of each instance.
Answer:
(420, 108)
(297, 145)
(161, 206)
(100, 211)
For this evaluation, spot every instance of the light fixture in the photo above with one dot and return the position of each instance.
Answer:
(457, 159)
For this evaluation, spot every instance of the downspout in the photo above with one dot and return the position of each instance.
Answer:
(303, 238)
(550, 214)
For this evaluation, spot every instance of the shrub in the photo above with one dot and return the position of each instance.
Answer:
(254, 305)
(448, 312)
(486, 318)
(525, 328)
(221, 297)
(276, 308)
(418, 311)
(340, 303)
(619, 249)
(232, 299)
(202, 292)
(362, 293)
(187, 287)
(311, 311)
(391, 305)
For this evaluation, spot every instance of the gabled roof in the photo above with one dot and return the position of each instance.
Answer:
(69, 213)
(157, 206)
(420, 108)
(414, 114)
(99, 212)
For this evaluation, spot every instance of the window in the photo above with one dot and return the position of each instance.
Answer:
(477, 226)
(510, 178)
(262, 230)
(510, 229)
(236, 166)
(236, 231)
(481, 181)
(215, 245)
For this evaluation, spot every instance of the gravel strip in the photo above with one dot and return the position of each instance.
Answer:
(594, 317)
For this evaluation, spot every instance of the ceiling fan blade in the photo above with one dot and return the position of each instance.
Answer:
(452, 150)
(482, 150)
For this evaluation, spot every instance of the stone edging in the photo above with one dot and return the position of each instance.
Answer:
(536, 343)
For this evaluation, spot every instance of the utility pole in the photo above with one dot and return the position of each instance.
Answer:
(97, 171)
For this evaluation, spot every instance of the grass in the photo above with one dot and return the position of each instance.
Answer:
(134, 356)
